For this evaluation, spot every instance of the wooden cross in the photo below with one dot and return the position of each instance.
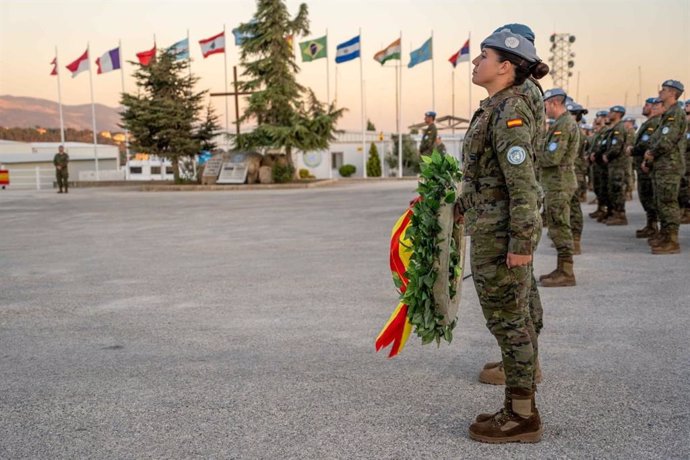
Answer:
(237, 93)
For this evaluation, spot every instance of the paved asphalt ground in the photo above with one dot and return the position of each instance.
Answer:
(242, 325)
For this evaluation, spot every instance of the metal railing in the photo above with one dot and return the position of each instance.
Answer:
(34, 178)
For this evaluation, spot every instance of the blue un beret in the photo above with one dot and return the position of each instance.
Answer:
(650, 100)
(657, 100)
(505, 40)
(430, 113)
(602, 113)
(687, 102)
(553, 93)
(519, 29)
(618, 109)
(674, 84)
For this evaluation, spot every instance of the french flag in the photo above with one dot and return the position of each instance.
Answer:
(461, 56)
(79, 65)
(213, 45)
(109, 61)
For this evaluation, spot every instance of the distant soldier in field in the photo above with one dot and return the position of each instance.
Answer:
(61, 162)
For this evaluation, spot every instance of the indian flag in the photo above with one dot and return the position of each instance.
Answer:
(392, 51)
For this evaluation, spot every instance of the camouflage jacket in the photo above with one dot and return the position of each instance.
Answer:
(426, 147)
(557, 157)
(667, 143)
(615, 141)
(580, 159)
(535, 99)
(599, 144)
(500, 190)
(644, 134)
(61, 159)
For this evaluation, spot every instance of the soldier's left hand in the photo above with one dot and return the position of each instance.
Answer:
(648, 156)
(605, 158)
(518, 260)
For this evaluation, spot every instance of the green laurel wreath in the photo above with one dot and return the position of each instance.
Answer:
(440, 175)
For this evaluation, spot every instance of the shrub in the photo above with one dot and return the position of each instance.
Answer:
(282, 173)
(347, 170)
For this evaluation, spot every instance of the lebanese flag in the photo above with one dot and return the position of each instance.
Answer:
(79, 65)
(213, 45)
(463, 55)
(145, 57)
(54, 64)
(109, 61)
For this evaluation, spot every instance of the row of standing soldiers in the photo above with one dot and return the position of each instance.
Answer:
(660, 154)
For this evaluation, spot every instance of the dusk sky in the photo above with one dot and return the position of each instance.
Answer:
(613, 39)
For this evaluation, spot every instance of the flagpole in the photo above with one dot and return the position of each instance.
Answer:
(400, 123)
(225, 58)
(469, 77)
(452, 129)
(62, 122)
(93, 114)
(328, 74)
(189, 60)
(433, 80)
(361, 87)
(122, 81)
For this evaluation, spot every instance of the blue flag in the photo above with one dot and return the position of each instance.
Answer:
(421, 54)
(241, 37)
(180, 49)
(348, 50)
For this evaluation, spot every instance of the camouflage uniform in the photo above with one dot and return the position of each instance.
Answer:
(426, 147)
(500, 202)
(645, 191)
(601, 171)
(667, 144)
(684, 194)
(61, 161)
(535, 99)
(629, 174)
(614, 149)
(580, 168)
(558, 180)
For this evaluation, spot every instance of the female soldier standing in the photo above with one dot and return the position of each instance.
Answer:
(500, 198)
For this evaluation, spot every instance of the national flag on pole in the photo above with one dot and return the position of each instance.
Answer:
(241, 37)
(348, 50)
(421, 54)
(54, 64)
(314, 49)
(145, 57)
(109, 61)
(213, 45)
(392, 51)
(180, 50)
(463, 54)
(80, 65)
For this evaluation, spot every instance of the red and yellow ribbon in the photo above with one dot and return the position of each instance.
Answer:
(398, 328)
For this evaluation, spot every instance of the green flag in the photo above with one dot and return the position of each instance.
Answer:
(314, 49)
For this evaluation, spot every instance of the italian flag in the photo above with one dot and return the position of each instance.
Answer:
(392, 51)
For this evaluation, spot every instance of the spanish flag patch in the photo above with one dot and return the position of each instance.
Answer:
(514, 123)
(557, 133)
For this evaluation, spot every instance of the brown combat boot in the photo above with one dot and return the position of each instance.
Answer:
(596, 213)
(553, 273)
(518, 421)
(685, 217)
(564, 277)
(577, 247)
(617, 218)
(603, 217)
(495, 375)
(658, 238)
(669, 245)
(648, 230)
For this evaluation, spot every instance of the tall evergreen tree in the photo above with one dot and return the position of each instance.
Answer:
(373, 162)
(288, 116)
(163, 115)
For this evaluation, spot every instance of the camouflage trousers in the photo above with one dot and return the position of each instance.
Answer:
(616, 184)
(61, 176)
(645, 190)
(536, 311)
(504, 295)
(666, 181)
(601, 179)
(576, 219)
(557, 205)
(684, 193)
(581, 185)
(629, 175)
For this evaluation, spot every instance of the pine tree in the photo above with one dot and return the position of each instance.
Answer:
(163, 115)
(288, 116)
(207, 130)
(373, 162)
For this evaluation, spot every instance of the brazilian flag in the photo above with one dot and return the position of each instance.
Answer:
(314, 49)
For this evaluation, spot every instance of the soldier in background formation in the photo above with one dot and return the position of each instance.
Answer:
(426, 146)
(684, 196)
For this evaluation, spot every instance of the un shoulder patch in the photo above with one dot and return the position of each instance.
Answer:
(645, 137)
(553, 146)
(516, 155)
(665, 130)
